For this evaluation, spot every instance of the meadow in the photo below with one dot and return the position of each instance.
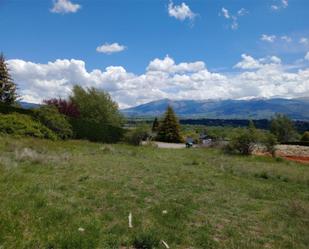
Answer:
(78, 194)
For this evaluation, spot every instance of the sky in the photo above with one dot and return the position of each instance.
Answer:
(145, 50)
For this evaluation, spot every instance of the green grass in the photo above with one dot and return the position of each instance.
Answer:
(49, 190)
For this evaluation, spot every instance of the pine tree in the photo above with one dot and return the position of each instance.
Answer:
(7, 86)
(155, 125)
(169, 129)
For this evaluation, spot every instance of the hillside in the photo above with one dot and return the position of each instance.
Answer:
(78, 194)
(226, 109)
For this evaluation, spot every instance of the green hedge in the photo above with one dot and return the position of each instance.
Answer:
(96, 132)
(24, 125)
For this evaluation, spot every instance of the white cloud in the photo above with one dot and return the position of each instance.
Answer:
(268, 38)
(64, 6)
(110, 48)
(225, 13)
(234, 18)
(242, 12)
(163, 78)
(180, 12)
(286, 38)
(281, 4)
(248, 62)
(307, 56)
(168, 65)
(303, 40)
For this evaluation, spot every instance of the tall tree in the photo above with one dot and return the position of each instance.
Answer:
(96, 106)
(7, 86)
(282, 127)
(169, 129)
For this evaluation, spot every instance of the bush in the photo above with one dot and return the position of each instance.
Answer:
(24, 125)
(52, 119)
(243, 143)
(137, 135)
(96, 132)
(305, 137)
(270, 141)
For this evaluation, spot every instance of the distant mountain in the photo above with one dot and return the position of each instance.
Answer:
(225, 109)
(27, 105)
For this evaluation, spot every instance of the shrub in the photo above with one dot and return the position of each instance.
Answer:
(96, 132)
(137, 135)
(270, 141)
(305, 137)
(52, 119)
(24, 125)
(243, 143)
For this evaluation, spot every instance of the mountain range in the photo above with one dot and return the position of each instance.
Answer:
(225, 109)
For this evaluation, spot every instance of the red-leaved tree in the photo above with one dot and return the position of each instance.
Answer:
(65, 107)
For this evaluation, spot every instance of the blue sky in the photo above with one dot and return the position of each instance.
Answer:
(219, 33)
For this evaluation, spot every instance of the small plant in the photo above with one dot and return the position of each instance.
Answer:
(146, 240)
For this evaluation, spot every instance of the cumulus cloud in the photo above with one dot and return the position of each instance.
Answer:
(163, 78)
(248, 62)
(64, 6)
(110, 48)
(168, 65)
(281, 4)
(233, 18)
(268, 38)
(307, 56)
(180, 12)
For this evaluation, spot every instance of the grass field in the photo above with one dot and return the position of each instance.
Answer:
(79, 194)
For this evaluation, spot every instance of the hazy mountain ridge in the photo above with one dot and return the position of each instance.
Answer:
(234, 109)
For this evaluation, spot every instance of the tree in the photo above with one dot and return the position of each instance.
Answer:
(282, 127)
(245, 140)
(305, 137)
(7, 86)
(169, 129)
(155, 125)
(65, 107)
(96, 106)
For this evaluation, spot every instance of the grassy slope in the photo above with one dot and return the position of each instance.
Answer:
(51, 189)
